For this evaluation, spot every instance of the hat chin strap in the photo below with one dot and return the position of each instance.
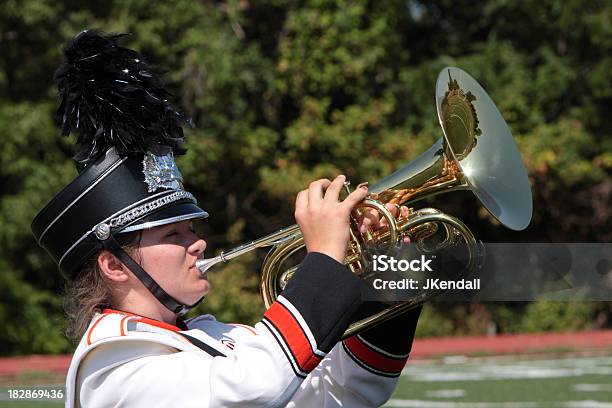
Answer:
(160, 294)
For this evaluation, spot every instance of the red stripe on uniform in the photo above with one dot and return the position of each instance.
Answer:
(244, 326)
(373, 358)
(122, 323)
(294, 336)
(143, 319)
(93, 327)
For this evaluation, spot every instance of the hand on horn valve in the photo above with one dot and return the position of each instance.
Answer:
(324, 219)
(373, 221)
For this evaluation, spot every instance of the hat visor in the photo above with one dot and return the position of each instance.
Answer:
(168, 215)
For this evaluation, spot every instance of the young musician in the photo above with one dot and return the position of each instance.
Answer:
(122, 233)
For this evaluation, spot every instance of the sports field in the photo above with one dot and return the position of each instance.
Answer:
(496, 382)
(508, 382)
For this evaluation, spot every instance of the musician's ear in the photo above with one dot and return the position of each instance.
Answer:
(111, 268)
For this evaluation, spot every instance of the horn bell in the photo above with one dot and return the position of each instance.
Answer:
(481, 143)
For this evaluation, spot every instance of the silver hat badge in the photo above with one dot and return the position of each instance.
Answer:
(161, 172)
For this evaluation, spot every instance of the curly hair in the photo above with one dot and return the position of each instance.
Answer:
(89, 293)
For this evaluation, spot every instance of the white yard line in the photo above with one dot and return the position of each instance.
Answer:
(592, 387)
(407, 403)
(471, 371)
(504, 373)
(454, 393)
(587, 404)
(449, 404)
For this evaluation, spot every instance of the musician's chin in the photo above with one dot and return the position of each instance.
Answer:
(203, 289)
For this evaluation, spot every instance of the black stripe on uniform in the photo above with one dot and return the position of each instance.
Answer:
(367, 367)
(290, 357)
(326, 294)
(203, 346)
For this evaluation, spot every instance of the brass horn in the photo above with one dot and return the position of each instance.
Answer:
(477, 152)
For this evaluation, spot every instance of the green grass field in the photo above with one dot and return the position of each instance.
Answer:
(509, 382)
(518, 382)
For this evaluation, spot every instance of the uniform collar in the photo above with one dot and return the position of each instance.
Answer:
(180, 324)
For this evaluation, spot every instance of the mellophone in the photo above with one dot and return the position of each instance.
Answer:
(476, 152)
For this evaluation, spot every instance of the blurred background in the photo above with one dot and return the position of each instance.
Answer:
(284, 92)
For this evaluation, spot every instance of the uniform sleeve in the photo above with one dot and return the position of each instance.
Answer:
(265, 370)
(361, 371)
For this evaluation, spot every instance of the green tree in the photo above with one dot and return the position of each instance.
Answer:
(284, 92)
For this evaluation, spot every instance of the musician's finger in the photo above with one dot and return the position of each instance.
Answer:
(316, 189)
(368, 220)
(355, 198)
(405, 213)
(333, 191)
(301, 200)
(394, 208)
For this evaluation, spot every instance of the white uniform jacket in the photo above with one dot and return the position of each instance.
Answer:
(291, 358)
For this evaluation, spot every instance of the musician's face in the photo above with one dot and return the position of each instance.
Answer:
(168, 253)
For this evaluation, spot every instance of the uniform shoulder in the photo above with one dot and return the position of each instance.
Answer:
(113, 325)
(200, 319)
(104, 325)
(217, 329)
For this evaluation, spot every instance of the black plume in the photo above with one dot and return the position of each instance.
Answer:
(111, 97)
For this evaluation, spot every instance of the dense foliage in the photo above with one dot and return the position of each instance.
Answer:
(284, 92)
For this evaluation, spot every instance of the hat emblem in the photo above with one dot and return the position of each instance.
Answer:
(161, 172)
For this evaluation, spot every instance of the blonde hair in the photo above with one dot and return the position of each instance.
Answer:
(88, 293)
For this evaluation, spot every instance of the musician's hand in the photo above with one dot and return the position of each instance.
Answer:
(323, 219)
(372, 220)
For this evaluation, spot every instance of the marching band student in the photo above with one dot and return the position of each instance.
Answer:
(122, 233)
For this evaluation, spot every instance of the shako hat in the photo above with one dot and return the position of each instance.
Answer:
(127, 136)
